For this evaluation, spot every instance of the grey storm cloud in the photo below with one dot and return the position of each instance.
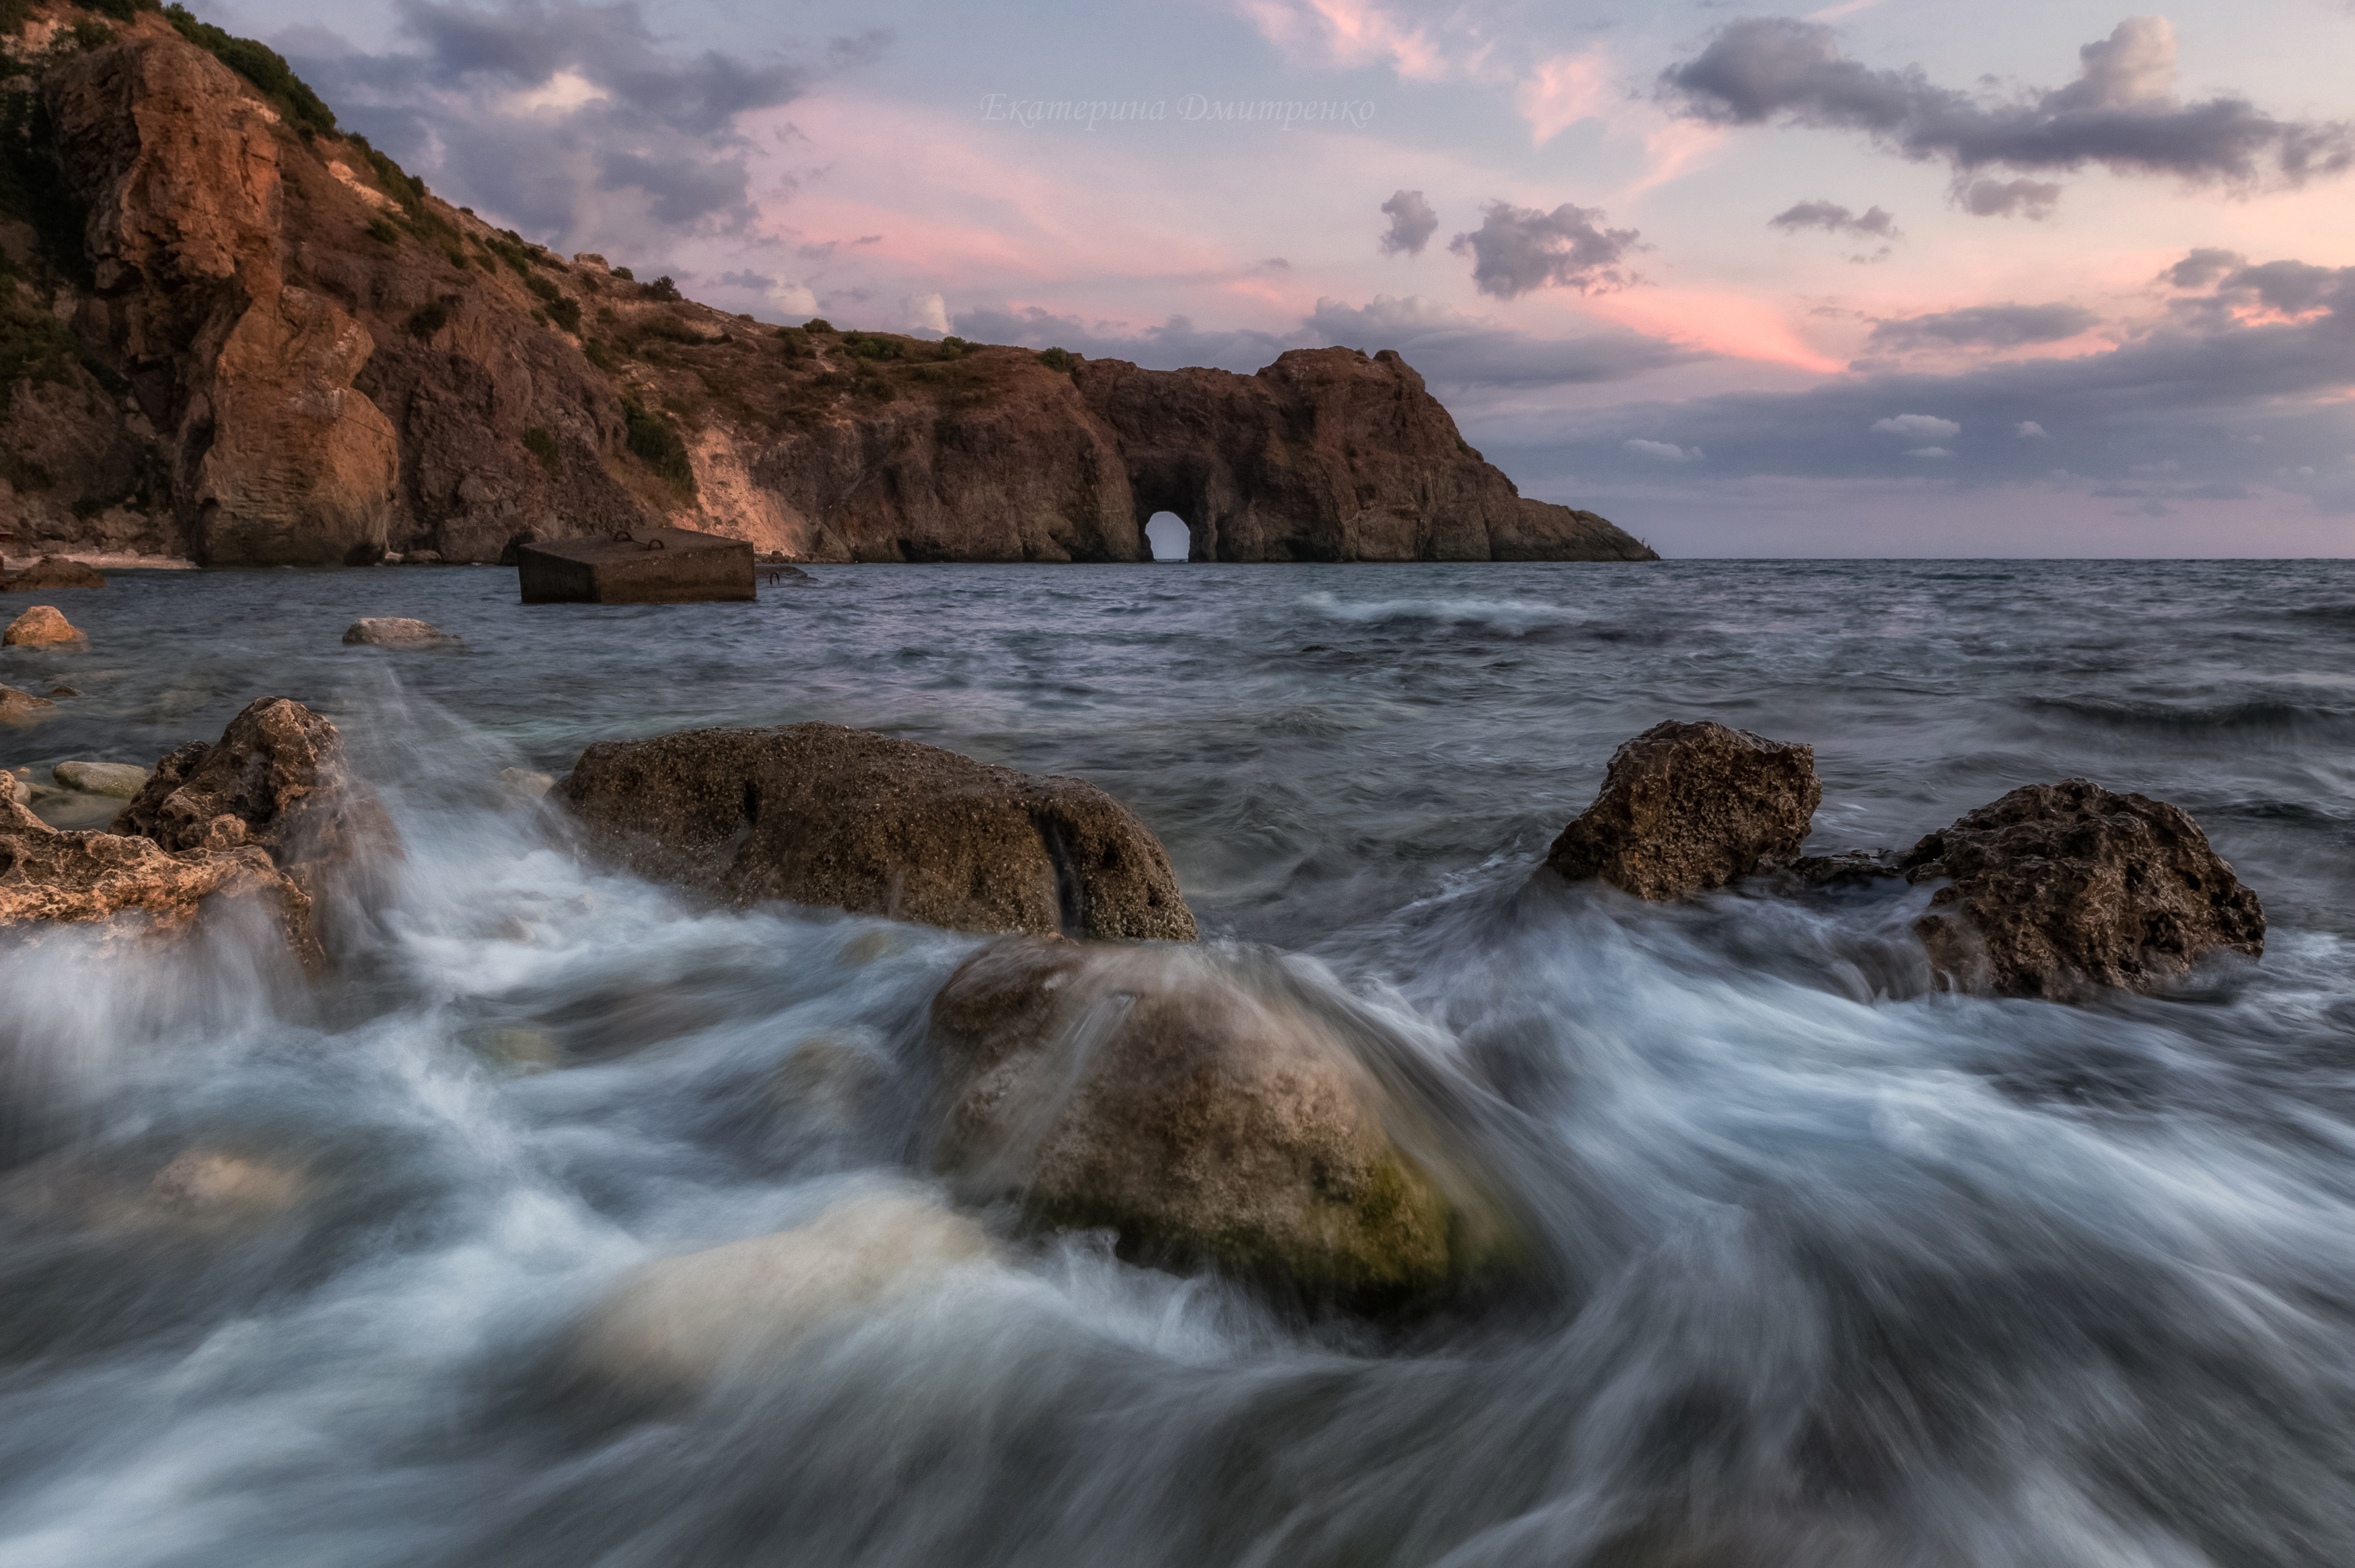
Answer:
(1984, 326)
(1413, 223)
(1445, 345)
(1834, 218)
(1518, 249)
(2119, 111)
(2033, 199)
(2227, 401)
(567, 118)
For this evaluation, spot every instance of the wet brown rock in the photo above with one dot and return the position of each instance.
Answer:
(42, 627)
(53, 572)
(2058, 889)
(849, 820)
(1212, 1110)
(396, 632)
(22, 707)
(91, 878)
(1688, 807)
(276, 780)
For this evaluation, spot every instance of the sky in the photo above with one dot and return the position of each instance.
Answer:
(1882, 279)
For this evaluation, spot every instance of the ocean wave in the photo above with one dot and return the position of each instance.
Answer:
(2262, 713)
(1514, 615)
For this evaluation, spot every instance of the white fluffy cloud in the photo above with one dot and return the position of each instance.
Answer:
(1918, 425)
(1664, 451)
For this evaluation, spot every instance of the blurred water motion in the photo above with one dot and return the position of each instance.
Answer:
(574, 1223)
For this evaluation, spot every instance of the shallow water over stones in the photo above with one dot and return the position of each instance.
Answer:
(1829, 1269)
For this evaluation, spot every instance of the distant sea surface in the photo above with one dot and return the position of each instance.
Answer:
(1854, 1276)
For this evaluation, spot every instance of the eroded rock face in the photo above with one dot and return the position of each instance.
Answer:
(276, 780)
(42, 627)
(847, 818)
(1688, 806)
(1203, 1105)
(2058, 889)
(327, 364)
(53, 572)
(396, 632)
(89, 877)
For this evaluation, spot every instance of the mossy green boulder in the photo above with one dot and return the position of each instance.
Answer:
(1208, 1106)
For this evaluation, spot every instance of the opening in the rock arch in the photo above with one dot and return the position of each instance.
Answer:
(1166, 533)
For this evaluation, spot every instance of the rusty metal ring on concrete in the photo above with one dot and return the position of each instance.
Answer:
(622, 537)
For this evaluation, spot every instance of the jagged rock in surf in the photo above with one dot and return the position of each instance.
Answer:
(42, 627)
(1211, 1109)
(2056, 890)
(276, 780)
(1688, 807)
(396, 632)
(53, 572)
(94, 878)
(847, 818)
(677, 1323)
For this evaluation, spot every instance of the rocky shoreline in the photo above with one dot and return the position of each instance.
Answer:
(1096, 1067)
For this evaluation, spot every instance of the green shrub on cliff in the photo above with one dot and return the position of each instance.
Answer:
(872, 346)
(540, 442)
(426, 319)
(662, 288)
(34, 344)
(951, 347)
(263, 65)
(1060, 359)
(33, 189)
(565, 312)
(656, 440)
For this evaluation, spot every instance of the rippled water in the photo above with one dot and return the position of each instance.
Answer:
(1832, 1272)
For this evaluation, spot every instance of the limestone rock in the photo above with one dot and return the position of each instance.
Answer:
(850, 819)
(1209, 1110)
(1688, 807)
(22, 707)
(2058, 889)
(276, 780)
(16, 787)
(396, 632)
(679, 1322)
(42, 627)
(53, 572)
(123, 779)
(47, 876)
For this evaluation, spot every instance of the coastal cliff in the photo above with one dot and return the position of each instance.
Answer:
(231, 332)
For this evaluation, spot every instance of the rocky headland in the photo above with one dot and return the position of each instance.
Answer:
(231, 332)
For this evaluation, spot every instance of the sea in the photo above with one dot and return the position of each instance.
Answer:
(1827, 1268)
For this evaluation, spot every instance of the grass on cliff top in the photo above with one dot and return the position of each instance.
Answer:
(263, 65)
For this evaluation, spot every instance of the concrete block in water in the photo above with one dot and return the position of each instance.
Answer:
(645, 566)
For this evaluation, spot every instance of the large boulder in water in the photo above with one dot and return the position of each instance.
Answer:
(2057, 889)
(396, 632)
(1688, 807)
(54, 572)
(277, 779)
(91, 878)
(847, 818)
(42, 627)
(1212, 1109)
